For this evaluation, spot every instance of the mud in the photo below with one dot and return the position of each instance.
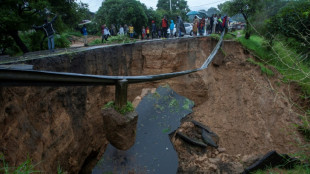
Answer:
(63, 126)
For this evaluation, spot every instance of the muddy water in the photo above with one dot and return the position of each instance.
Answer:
(159, 115)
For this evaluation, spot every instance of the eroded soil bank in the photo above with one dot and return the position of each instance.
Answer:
(63, 126)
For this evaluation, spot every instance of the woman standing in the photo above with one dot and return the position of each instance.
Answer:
(195, 25)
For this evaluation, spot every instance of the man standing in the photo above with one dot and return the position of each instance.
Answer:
(131, 31)
(164, 25)
(49, 31)
(153, 29)
(85, 35)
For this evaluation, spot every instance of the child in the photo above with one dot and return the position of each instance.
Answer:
(143, 32)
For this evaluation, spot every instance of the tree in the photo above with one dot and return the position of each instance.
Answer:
(293, 22)
(247, 8)
(19, 16)
(122, 12)
(212, 11)
(178, 7)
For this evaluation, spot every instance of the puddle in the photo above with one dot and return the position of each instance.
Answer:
(159, 115)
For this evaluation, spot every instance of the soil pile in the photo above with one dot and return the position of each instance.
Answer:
(250, 112)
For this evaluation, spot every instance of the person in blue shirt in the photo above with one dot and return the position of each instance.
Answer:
(171, 28)
(85, 35)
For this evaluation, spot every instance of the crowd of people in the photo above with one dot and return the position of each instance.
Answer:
(213, 24)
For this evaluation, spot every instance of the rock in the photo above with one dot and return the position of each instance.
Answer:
(213, 167)
(136, 101)
(248, 160)
(230, 167)
(221, 150)
(121, 129)
(145, 91)
(214, 160)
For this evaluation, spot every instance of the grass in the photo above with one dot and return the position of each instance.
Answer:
(297, 170)
(24, 168)
(263, 68)
(113, 40)
(287, 61)
(124, 110)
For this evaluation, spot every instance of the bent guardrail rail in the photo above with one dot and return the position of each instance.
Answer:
(16, 77)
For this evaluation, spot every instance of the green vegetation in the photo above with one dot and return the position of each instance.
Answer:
(297, 170)
(263, 68)
(286, 60)
(187, 104)
(24, 168)
(124, 110)
(166, 130)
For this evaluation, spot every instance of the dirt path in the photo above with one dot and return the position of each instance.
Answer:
(78, 41)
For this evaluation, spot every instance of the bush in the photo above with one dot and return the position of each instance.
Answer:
(293, 22)
(61, 41)
(124, 110)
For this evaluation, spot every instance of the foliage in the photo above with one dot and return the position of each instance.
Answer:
(293, 22)
(178, 8)
(247, 8)
(212, 11)
(283, 58)
(300, 169)
(305, 127)
(18, 17)
(95, 42)
(124, 110)
(263, 68)
(24, 168)
(122, 12)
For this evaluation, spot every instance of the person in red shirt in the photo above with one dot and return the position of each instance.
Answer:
(164, 25)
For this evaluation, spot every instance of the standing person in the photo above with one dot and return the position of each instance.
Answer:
(106, 33)
(159, 32)
(49, 31)
(195, 25)
(171, 28)
(214, 23)
(164, 25)
(180, 26)
(113, 30)
(219, 24)
(125, 29)
(121, 30)
(102, 31)
(147, 32)
(208, 28)
(85, 35)
(131, 31)
(143, 32)
(202, 24)
(153, 29)
(211, 23)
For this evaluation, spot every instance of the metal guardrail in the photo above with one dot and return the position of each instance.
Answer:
(16, 77)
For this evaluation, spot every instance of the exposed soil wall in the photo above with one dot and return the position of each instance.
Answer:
(63, 126)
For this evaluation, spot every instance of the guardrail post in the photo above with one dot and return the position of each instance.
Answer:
(121, 93)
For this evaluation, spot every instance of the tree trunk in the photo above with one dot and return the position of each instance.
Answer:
(18, 41)
(247, 29)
